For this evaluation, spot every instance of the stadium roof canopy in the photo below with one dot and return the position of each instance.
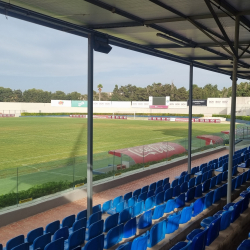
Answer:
(198, 31)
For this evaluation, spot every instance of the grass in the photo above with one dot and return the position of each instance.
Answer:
(45, 149)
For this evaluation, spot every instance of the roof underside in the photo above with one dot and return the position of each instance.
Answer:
(198, 31)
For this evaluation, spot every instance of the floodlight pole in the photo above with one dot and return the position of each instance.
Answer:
(233, 108)
(90, 125)
(190, 117)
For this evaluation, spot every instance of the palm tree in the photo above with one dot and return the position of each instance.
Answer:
(100, 87)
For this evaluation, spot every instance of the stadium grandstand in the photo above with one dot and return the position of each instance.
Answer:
(196, 202)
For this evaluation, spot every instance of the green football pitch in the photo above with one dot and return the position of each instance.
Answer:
(35, 150)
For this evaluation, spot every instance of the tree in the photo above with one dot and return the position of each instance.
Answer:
(100, 87)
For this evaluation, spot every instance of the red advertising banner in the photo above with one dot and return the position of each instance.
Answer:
(183, 119)
(7, 115)
(158, 107)
(101, 116)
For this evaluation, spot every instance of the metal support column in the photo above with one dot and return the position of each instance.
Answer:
(233, 107)
(190, 117)
(90, 125)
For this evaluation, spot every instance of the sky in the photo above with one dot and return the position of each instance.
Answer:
(33, 56)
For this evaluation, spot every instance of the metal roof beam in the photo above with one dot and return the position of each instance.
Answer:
(206, 58)
(114, 25)
(245, 50)
(243, 13)
(221, 27)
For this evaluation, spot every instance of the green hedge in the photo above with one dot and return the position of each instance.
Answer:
(244, 118)
(48, 188)
(145, 114)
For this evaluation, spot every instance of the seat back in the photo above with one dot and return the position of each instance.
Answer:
(186, 215)
(209, 174)
(120, 207)
(193, 171)
(125, 215)
(187, 177)
(191, 183)
(198, 190)
(200, 240)
(217, 194)
(128, 195)
(52, 227)
(180, 180)
(238, 181)
(174, 183)
(205, 186)
(198, 180)
(184, 187)
(77, 238)
(166, 187)
(159, 183)
(61, 233)
(132, 201)
(170, 206)
(152, 186)
(114, 236)
(213, 231)
(117, 200)
(165, 181)
(149, 203)
(15, 242)
(140, 243)
(233, 183)
(225, 220)
(158, 212)
(137, 192)
(145, 220)
(172, 223)
(198, 206)
(42, 241)
(96, 208)
(138, 208)
(244, 177)
(158, 190)
(224, 190)
(124, 246)
(159, 198)
(245, 203)
(79, 224)
(55, 245)
(24, 246)
(96, 243)
(83, 214)
(94, 230)
(204, 177)
(213, 182)
(190, 194)
(156, 234)
(32, 235)
(68, 221)
(224, 176)
(176, 191)
(110, 222)
(168, 194)
(143, 190)
(219, 179)
(208, 199)
(237, 210)
(94, 218)
(129, 228)
(180, 201)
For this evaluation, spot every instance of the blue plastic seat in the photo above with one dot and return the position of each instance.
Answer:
(76, 239)
(235, 171)
(187, 177)
(165, 181)
(55, 245)
(213, 182)
(213, 231)
(142, 197)
(129, 228)
(61, 233)
(33, 234)
(145, 220)
(224, 176)
(137, 192)
(233, 183)
(245, 245)
(42, 241)
(156, 234)
(152, 186)
(244, 177)
(245, 193)
(143, 190)
(198, 180)
(24, 246)
(207, 221)
(245, 202)
(97, 208)
(94, 230)
(208, 200)
(150, 193)
(174, 183)
(149, 203)
(198, 238)
(224, 190)
(159, 183)
(193, 171)
(116, 201)
(113, 236)
(237, 210)
(15, 242)
(176, 191)
(205, 186)
(168, 194)
(225, 219)
(209, 174)
(184, 187)
(124, 246)
(132, 201)
(217, 194)
(180, 180)
(158, 190)
(159, 198)
(166, 187)
(138, 208)
(180, 201)
(170, 206)
(186, 215)
(68, 221)
(52, 227)
(172, 223)
(110, 222)
(191, 183)
(198, 206)
(96, 243)
(190, 194)
(78, 224)
(125, 215)
(238, 181)
(219, 179)
(198, 191)
(129, 195)
(204, 177)
(158, 212)
(81, 215)
(140, 243)
(94, 218)
(182, 245)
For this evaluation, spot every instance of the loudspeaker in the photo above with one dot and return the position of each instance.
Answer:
(101, 44)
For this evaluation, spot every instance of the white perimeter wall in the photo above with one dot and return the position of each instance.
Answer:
(242, 108)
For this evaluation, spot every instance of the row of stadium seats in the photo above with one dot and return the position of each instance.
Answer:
(154, 199)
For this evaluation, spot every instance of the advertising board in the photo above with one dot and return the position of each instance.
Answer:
(60, 103)
(218, 102)
(79, 104)
(198, 103)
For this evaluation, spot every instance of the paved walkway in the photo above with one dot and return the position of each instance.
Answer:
(58, 213)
